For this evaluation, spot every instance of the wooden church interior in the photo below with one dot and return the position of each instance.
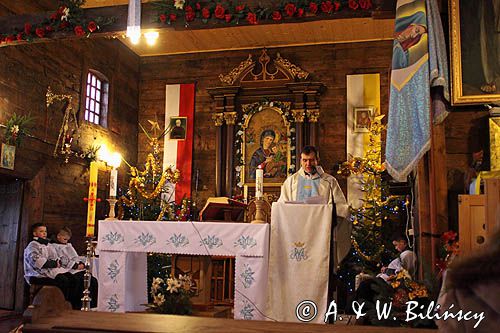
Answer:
(49, 184)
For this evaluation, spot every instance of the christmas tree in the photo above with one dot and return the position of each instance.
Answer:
(149, 198)
(370, 236)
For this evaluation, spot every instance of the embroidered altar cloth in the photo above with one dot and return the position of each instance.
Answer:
(123, 246)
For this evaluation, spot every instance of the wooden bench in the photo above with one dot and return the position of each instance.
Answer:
(50, 314)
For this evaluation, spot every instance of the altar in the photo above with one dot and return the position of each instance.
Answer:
(123, 247)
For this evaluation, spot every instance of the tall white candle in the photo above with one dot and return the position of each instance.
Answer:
(113, 183)
(259, 183)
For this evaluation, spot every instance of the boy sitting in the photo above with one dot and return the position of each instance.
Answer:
(75, 265)
(42, 266)
(66, 252)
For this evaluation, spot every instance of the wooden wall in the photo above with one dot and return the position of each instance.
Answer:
(466, 128)
(54, 190)
(328, 64)
(466, 132)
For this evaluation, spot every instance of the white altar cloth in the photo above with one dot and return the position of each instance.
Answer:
(123, 246)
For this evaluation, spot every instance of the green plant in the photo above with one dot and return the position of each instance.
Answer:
(16, 127)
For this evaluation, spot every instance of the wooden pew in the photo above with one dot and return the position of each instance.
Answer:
(50, 313)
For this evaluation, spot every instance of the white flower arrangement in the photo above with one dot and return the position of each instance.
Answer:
(172, 296)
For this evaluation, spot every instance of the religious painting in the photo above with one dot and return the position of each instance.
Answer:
(266, 144)
(178, 126)
(475, 51)
(363, 118)
(7, 157)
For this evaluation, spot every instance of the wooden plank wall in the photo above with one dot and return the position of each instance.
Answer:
(328, 64)
(25, 73)
(466, 132)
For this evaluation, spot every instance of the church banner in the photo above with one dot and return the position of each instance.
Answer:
(178, 142)
(408, 130)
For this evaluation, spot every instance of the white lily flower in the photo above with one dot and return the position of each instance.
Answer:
(14, 129)
(159, 299)
(65, 15)
(179, 4)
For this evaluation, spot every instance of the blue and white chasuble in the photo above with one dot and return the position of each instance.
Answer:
(307, 188)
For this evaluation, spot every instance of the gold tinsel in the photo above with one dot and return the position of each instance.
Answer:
(373, 258)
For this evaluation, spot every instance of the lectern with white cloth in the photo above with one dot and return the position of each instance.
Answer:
(299, 259)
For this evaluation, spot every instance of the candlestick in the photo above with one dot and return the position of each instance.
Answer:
(113, 183)
(259, 182)
(92, 199)
(86, 299)
(111, 214)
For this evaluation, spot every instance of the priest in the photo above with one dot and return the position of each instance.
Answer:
(312, 181)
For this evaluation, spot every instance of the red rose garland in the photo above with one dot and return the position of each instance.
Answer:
(66, 17)
(225, 11)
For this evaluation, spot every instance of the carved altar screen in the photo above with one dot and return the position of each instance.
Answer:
(265, 111)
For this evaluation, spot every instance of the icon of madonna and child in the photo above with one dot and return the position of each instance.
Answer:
(271, 156)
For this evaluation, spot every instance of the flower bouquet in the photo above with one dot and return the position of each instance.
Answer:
(448, 250)
(172, 296)
(16, 127)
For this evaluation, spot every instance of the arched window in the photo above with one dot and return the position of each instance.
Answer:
(96, 98)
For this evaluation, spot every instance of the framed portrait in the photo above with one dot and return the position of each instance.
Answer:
(475, 47)
(363, 117)
(7, 157)
(178, 128)
(266, 133)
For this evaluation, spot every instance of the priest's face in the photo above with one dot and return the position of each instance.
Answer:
(308, 162)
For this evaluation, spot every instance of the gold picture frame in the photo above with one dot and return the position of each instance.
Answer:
(468, 71)
(363, 117)
(8, 156)
(178, 128)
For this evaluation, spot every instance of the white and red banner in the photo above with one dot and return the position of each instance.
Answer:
(178, 153)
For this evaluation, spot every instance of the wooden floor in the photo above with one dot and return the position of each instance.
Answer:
(51, 313)
(72, 321)
(9, 320)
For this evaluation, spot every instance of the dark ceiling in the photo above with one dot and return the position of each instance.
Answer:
(18, 7)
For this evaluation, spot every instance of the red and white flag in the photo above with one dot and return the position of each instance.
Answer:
(178, 143)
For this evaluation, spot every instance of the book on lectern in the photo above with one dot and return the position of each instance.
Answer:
(220, 208)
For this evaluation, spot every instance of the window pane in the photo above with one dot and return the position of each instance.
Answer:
(97, 108)
(93, 80)
(92, 106)
(98, 84)
(91, 117)
(89, 77)
(92, 93)
(87, 102)
(88, 90)
(98, 96)
(96, 120)
(86, 115)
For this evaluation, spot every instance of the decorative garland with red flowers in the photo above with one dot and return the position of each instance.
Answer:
(232, 12)
(68, 17)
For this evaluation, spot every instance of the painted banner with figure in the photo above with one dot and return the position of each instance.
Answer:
(178, 142)
(408, 130)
